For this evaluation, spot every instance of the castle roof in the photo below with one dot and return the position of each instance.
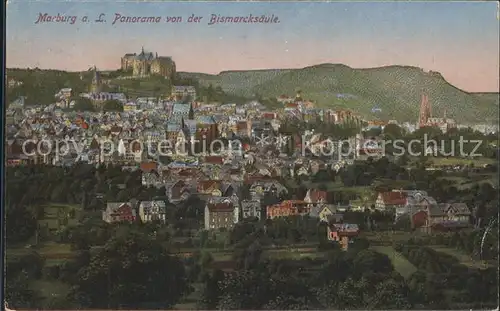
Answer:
(145, 56)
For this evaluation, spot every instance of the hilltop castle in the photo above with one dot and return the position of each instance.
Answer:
(147, 63)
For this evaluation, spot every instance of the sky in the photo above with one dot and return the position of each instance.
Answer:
(458, 39)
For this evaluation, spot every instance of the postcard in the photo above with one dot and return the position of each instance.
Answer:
(197, 155)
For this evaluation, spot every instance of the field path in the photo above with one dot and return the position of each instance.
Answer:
(400, 263)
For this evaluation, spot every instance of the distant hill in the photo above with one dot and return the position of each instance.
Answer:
(395, 90)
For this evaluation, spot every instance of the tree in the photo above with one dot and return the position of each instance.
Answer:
(21, 224)
(212, 291)
(393, 132)
(18, 293)
(84, 104)
(112, 106)
(390, 294)
(130, 271)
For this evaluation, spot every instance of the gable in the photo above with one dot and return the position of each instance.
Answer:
(326, 211)
(124, 209)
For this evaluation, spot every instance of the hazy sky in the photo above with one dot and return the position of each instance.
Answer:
(458, 39)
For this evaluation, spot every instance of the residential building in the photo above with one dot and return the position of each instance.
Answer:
(210, 187)
(458, 212)
(184, 91)
(314, 197)
(325, 212)
(152, 211)
(287, 208)
(342, 234)
(119, 212)
(251, 208)
(220, 215)
(390, 200)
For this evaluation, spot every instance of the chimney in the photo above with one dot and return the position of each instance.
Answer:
(133, 202)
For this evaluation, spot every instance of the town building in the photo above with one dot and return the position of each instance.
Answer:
(221, 215)
(287, 208)
(390, 200)
(426, 119)
(119, 212)
(182, 92)
(342, 234)
(152, 211)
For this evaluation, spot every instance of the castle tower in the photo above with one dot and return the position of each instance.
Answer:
(425, 111)
(96, 85)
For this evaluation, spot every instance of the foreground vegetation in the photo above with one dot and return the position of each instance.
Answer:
(61, 255)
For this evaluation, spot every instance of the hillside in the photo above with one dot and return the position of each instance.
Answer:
(396, 90)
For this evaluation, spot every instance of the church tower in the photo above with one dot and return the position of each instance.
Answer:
(96, 85)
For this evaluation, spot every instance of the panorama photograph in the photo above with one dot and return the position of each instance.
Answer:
(251, 155)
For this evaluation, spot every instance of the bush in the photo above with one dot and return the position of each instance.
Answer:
(52, 272)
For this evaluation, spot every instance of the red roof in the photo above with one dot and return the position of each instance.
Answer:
(148, 166)
(214, 160)
(242, 125)
(394, 198)
(220, 207)
(268, 115)
(317, 195)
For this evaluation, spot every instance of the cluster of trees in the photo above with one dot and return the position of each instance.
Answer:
(85, 104)
(427, 259)
(278, 231)
(130, 270)
(470, 242)
(208, 93)
(446, 143)
(360, 278)
(39, 86)
(30, 187)
(132, 266)
(446, 282)
(335, 131)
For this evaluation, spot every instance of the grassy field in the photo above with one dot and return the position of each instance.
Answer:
(464, 259)
(57, 215)
(462, 161)
(337, 186)
(401, 264)
(189, 302)
(50, 288)
(388, 237)
(297, 253)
